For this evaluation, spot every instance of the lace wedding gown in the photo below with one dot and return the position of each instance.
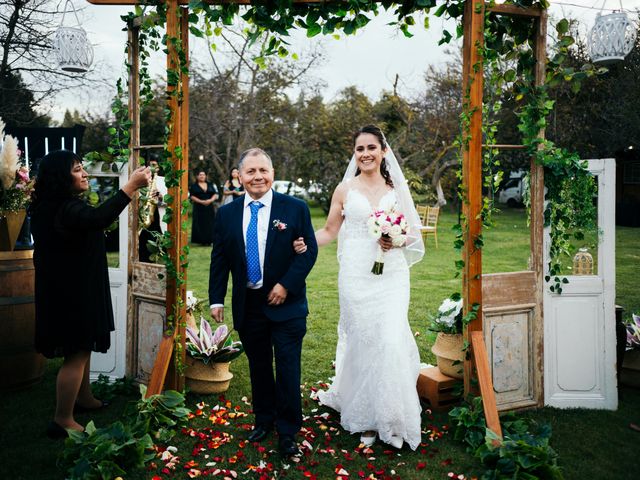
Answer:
(377, 360)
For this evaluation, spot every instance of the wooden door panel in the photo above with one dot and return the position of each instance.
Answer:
(509, 313)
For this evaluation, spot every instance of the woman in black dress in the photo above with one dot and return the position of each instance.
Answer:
(232, 187)
(73, 303)
(203, 194)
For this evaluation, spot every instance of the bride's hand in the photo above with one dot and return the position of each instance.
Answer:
(299, 246)
(385, 243)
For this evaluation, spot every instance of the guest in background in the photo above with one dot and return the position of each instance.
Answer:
(73, 302)
(203, 194)
(232, 187)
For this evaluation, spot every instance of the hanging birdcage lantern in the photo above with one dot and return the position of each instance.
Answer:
(611, 38)
(74, 52)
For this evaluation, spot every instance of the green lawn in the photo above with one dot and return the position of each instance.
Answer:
(591, 444)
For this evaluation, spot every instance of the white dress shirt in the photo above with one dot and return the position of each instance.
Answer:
(264, 214)
(263, 228)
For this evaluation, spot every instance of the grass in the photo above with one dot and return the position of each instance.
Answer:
(591, 444)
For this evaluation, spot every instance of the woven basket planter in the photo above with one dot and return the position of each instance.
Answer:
(207, 378)
(448, 349)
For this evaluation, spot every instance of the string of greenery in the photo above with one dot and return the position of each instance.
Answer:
(507, 42)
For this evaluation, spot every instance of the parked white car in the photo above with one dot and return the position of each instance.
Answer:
(512, 191)
(290, 188)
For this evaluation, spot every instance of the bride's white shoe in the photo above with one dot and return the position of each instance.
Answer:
(368, 438)
(396, 442)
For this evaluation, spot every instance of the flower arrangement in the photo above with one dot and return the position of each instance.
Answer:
(633, 332)
(449, 318)
(15, 184)
(212, 346)
(387, 223)
(279, 225)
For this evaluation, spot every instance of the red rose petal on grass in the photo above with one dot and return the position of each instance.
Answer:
(421, 465)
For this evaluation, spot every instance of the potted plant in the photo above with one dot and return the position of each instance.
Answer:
(15, 191)
(209, 353)
(448, 347)
(630, 374)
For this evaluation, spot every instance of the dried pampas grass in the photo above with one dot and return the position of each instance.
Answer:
(8, 161)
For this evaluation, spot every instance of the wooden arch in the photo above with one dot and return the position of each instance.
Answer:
(530, 281)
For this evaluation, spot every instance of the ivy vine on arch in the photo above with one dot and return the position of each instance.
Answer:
(507, 50)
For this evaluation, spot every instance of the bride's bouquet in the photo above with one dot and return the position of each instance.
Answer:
(387, 223)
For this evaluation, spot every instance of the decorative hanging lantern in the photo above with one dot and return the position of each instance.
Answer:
(74, 52)
(611, 38)
(583, 263)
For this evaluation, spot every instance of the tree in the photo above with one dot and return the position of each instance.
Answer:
(26, 54)
(603, 117)
(323, 139)
(239, 104)
(17, 103)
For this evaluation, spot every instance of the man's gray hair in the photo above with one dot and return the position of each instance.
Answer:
(253, 152)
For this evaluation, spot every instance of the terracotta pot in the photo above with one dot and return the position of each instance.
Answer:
(207, 378)
(10, 225)
(448, 349)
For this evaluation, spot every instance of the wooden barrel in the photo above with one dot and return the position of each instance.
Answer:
(20, 365)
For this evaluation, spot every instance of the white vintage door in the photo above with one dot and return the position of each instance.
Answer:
(113, 363)
(579, 333)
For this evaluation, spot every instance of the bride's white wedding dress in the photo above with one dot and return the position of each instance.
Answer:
(377, 360)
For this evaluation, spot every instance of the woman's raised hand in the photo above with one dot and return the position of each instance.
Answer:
(299, 246)
(139, 178)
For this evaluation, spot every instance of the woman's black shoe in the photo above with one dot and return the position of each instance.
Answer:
(55, 431)
(80, 409)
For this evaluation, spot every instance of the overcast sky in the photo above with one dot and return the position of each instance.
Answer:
(370, 60)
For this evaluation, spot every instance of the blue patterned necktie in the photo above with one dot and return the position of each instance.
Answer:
(253, 256)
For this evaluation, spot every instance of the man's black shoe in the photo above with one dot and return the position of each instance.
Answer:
(287, 446)
(258, 434)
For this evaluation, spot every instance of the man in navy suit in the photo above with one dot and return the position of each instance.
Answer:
(253, 240)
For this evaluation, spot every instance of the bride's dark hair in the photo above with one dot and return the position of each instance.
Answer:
(375, 130)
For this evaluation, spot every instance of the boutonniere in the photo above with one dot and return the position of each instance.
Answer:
(280, 226)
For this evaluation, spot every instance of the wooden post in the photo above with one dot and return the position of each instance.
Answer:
(133, 49)
(162, 376)
(537, 221)
(472, 171)
(181, 238)
(485, 382)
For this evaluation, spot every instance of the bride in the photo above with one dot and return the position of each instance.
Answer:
(377, 361)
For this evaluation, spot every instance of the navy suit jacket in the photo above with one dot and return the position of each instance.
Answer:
(281, 263)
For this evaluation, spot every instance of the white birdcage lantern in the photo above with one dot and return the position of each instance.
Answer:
(611, 38)
(74, 52)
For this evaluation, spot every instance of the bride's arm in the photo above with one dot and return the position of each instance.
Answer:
(334, 221)
(329, 232)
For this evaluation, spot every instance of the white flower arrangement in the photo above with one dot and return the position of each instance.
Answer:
(449, 316)
(15, 185)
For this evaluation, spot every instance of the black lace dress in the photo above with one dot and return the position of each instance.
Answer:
(72, 295)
